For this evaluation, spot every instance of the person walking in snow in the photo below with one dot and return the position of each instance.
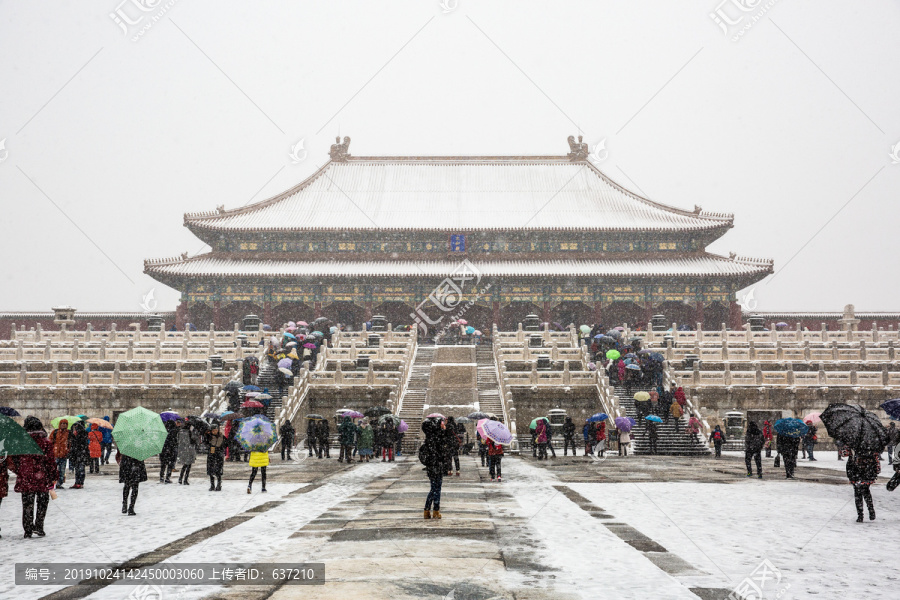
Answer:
(106, 444)
(4, 479)
(495, 456)
(540, 438)
(215, 457)
(589, 432)
(810, 439)
(893, 438)
(287, 439)
(431, 455)
(693, 429)
(862, 471)
(95, 442)
(717, 437)
(787, 448)
(676, 412)
(388, 433)
(753, 445)
(258, 462)
(347, 433)
(652, 435)
(482, 449)
(169, 453)
(311, 433)
(322, 438)
(624, 442)
(453, 443)
(186, 453)
(569, 437)
(767, 436)
(600, 438)
(79, 453)
(365, 441)
(36, 475)
(131, 473)
(59, 439)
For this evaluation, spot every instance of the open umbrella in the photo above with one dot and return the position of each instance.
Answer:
(394, 418)
(462, 321)
(139, 433)
(169, 416)
(470, 330)
(460, 420)
(376, 411)
(495, 431)
(353, 414)
(435, 416)
(252, 388)
(252, 404)
(302, 323)
(14, 440)
(9, 412)
(100, 423)
(613, 354)
(623, 424)
(403, 426)
(232, 385)
(598, 417)
(233, 416)
(790, 427)
(197, 422)
(70, 419)
(815, 417)
(477, 415)
(285, 363)
(286, 372)
(315, 417)
(256, 434)
(535, 420)
(289, 335)
(642, 396)
(781, 324)
(856, 427)
(892, 408)
(478, 332)
(633, 367)
(584, 329)
(653, 418)
(263, 396)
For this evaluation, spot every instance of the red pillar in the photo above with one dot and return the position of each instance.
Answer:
(267, 313)
(495, 308)
(736, 317)
(545, 312)
(598, 306)
(317, 309)
(698, 313)
(217, 314)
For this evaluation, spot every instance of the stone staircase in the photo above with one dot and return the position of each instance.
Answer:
(412, 403)
(669, 442)
(489, 400)
(266, 380)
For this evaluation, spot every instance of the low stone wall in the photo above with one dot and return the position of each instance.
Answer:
(579, 404)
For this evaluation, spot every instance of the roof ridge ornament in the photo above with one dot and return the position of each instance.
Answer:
(340, 152)
(577, 150)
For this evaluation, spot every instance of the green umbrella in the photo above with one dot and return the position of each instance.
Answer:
(70, 418)
(613, 354)
(14, 440)
(534, 423)
(139, 433)
(585, 329)
(393, 418)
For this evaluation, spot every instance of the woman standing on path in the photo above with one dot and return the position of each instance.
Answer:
(215, 460)
(452, 445)
(862, 471)
(258, 461)
(432, 456)
(601, 438)
(717, 437)
(388, 431)
(95, 442)
(365, 442)
(59, 439)
(169, 453)
(131, 473)
(347, 433)
(35, 476)
(624, 442)
(186, 452)
(540, 438)
(79, 453)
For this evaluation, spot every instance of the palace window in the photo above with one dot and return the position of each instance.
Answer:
(667, 246)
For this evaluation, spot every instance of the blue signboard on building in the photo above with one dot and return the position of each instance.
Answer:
(457, 243)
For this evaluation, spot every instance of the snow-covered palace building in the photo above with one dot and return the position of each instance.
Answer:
(421, 238)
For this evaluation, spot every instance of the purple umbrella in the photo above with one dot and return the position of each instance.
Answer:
(284, 363)
(403, 426)
(352, 414)
(496, 431)
(623, 424)
(170, 416)
(309, 346)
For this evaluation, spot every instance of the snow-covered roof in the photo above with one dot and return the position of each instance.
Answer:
(458, 194)
(209, 265)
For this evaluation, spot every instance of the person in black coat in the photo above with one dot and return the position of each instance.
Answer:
(753, 445)
(388, 438)
(666, 398)
(322, 434)
(169, 453)
(652, 435)
(862, 471)
(79, 452)
(787, 448)
(569, 437)
(215, 457)
(452, 444)
(311, 437)
(131, 473)
(431, 454)
(287, 439)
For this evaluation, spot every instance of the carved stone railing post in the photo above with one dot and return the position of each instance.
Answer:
(129, 353)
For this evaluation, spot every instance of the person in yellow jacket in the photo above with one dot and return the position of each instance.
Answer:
(258, 461)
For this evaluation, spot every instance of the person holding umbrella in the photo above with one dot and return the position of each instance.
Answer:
(767, 436)
(287, 439)
(131, 473)
(186, 452)
(59, 439)
(365, 441)
(322, 433)
(541, 439)
(862, 471)
(258, 461)
(809, 440)
(169, 453)
(311, 433)
(431, 455)
(79, 453)
(139, 434)
(495, 456)
(36, 474)
(95, 440)
(652, 435)
(347, 431)
(4, 480)
(106, 443)
(215, 459)
(453, 444)
(388, 433)
(787, 446)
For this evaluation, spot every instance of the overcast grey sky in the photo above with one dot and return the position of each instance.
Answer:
(109, 141)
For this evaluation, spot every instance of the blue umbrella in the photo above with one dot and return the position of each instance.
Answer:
(252, 388)
(633, 367)
(653, 418)
(791, 427)
(892, 408)
(599, 336)
(598, 417)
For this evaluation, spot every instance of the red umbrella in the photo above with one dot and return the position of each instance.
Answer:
(252, 404)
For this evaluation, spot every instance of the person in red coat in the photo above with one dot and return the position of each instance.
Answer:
(680, 397)
(35, 476)
(95, 439)
(767, 436)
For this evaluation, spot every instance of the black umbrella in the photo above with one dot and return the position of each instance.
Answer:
(855, 426)
(315, 417)
(199, 423)
(376, 411)
(479, 415)
(232, 385)
(9, 412)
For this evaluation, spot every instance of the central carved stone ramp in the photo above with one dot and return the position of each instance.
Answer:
(669, 442)
(489, 400)
(413, 400)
